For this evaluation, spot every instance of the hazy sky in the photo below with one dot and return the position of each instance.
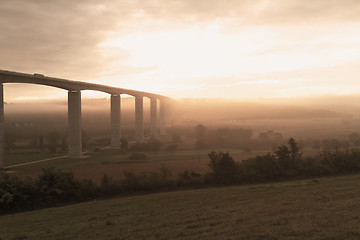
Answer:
(185, 48)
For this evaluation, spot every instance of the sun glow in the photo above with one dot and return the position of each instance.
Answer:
(196, 55)
(230, 49)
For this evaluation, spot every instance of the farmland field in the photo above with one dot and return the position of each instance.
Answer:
(322, 208)
(95, 164)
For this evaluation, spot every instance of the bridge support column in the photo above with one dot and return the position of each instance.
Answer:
(2, 142)
(153, 117)
(74, 124)
(139, 120)
(163, 117)
(115, 120)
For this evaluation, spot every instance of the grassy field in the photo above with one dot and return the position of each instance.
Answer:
(323, 208)
(24, 157)
(114, 163)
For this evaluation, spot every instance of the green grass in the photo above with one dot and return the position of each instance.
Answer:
(323, 208)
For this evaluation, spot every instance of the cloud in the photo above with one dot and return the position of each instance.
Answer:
(255, 11)
(57, 37)
(63, 38)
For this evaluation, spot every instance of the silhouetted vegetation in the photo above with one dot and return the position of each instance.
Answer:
(172, 147)
(355, 139)
(223, 166)
(124, 144)
(233, 138)
(55, 187)
(285, 163)
(236, 138)
(10, 141)
(137, 156)
(200, 134)
(53, 141)
(152, 144)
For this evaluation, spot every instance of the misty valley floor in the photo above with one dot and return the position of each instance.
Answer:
(322, 208)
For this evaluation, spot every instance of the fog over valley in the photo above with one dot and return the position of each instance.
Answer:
(327, 116)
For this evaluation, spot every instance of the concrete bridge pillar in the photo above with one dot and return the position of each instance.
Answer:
(115, 120)
(2, 142)
(163, 117)
(153, 117)
(74, 123)
(139, 119)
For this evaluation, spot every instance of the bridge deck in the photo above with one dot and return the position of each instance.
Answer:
(16, 77)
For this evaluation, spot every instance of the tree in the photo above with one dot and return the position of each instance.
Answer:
(53, 141)
(176, 138)
(223, 166)
(289, 157)
(84, 139)
(153, 144)
(63, 143)
(294, 150)
(316, 144)
(9, 141)
(264, 138)
(283, 155)
(56, 186)
(41, 142)
(124, 144)
(355, 139)
(200, 133)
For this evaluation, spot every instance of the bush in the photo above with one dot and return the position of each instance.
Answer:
(137, 156)
(148, 181)
(124, 144)
(153, 144)
(190, 179)
(16, 194)
(55, 186)
(260, 168)
(341, 162)
(109, 187)
(172, 147)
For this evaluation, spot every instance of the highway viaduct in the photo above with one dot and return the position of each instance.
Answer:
(74, 89)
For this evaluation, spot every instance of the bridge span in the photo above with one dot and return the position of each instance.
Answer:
(74, 89)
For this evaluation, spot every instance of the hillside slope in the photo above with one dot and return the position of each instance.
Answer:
(323, 208)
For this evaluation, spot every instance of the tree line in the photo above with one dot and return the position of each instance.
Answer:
(55, 187)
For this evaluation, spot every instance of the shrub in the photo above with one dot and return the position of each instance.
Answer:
(148, 181)
(259, 168)
(137, 156)
(109, 187)
(124, 144)
(153, 144)
(16, 194)
(189, 179)
(87, 189)
(172, 147)
(55, 186)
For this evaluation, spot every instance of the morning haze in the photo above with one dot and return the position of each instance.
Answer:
(206, 119)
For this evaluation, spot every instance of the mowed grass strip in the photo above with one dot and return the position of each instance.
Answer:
(323, 208)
